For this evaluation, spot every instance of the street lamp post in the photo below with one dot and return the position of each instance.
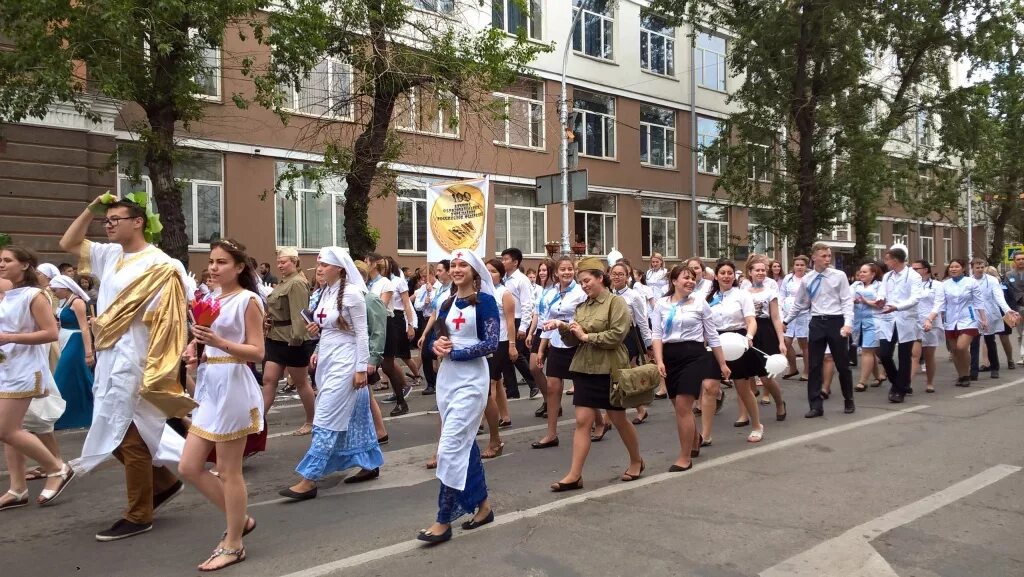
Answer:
(970, 213)
(563, 118)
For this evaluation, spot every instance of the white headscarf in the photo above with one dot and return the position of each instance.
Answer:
(66, 282)
(49, 270)
(486, 284)
(337, 256)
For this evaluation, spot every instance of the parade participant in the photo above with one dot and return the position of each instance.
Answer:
(776, 272)
(230, 401)
(638, 340)
(596, 332)
(288, 345)
(924, 350)
(1004, 335)
(995, 307)
(703, 285)
(27, 327)
(865, 321)
(545, 281)
(403, 315)
(683, 327)
(396, 343)
(73, 375)
(519, 287)
(560, 306)
(796, 330)
(376, 328)
(343, 432)
(961, 303)
(440, 294)
(656, 277)
(139, 337)
(468, 332)
(733, 312)
(825, 293)
(769, 338)
(1014, 280)
(420, 299)
(898, 296)
(496, 414)
(639, 280)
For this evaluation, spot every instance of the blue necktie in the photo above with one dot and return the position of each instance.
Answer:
(815, 285)
(672, 315)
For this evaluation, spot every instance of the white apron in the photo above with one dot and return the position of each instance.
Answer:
(461, 397)
(342, 354)
(119, 369)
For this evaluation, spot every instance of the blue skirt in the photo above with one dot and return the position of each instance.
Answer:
(74, 381)
(452, 503)
(332, 451)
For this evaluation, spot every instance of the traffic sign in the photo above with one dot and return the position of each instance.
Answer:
(549, 187)
(1010, 250)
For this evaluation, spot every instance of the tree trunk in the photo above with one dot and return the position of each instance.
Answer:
(802, 116)
(999, 221)
(166, 194)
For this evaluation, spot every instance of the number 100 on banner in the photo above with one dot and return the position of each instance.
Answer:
(457, 212)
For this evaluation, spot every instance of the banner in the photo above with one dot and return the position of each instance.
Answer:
(457, 218)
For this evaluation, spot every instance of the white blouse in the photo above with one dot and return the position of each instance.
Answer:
(731, 308)
(686, 320)
(561, 306)
(638, 308)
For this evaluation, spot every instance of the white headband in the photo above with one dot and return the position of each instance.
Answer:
(486, 284)
(49, 270)
(337, 256)
(66, 282)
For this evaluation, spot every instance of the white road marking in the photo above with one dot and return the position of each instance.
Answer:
(988, 390)
(852, 555)
(406, 546)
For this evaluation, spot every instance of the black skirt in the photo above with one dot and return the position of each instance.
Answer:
(592, 391)
(497, 362)
(767, 340)
(535, 346)
(396, 340)
(558, 362)
(281, 353)
(746, 367)
(685, 367)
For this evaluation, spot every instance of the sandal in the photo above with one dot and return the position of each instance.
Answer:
(766, 400)
(238, 554)
(432, 463)
(860, 387)
(878, 382)
(491, 452)
(756, 435)
(35, 474)
(639, 420)
(20, 500)
(47, 496)
(246, 529)
(302, 431)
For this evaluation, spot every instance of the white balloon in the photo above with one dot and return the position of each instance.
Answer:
(776, 365)
(733, 345)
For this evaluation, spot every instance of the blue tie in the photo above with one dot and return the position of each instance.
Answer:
(815, 285)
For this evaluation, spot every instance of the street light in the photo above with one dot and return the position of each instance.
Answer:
(969, 166)
(563, 118)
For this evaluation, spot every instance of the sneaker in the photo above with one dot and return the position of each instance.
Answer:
(123, 529)
(428, 390)
(168, 495)
(390, 398)
(400, 410)
(406, 390)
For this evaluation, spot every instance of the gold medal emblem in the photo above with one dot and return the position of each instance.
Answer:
(457, 219)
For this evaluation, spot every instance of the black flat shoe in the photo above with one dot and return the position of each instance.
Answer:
(504, 424)
(362, 476)
(471, 524)
(435, 539)
(825, 395)
(781, 416)
(604, 431)
(848, 407)
(296, 496)
(694, 453)
(628, 477)
(541, 412)
(660, 396)
(739, 424)
(399, 410)
(677, 469)
(641, 420)
(963, 382)
(790, 375)
(562, 487)
(896, 398)
(813, 413)
(384, 440)
(545, 445)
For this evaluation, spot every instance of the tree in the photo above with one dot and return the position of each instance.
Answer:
(812, 94)
(152, 53)
(399, 57)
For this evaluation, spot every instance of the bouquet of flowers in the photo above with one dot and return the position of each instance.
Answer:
(204, 312)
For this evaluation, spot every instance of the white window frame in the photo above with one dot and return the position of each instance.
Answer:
(295, 94)
(609, 240)
(766, 152)
(442, 118)
(947, 244)
(193, 243)
(300, 196)
(669, 137)
(647, 39)
(842, 233)
(532, 213)
(671, 251)
(580, 31)
(534, 31)
(704, 141)
(508, 120)
(705, 54)
(928, 248)
(437, 9)
(925, 132)
(898, 238)
(607, 123)
(720, 226)
(758, 231)
(215, 71)
(415, 223)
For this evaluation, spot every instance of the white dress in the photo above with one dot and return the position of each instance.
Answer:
(230, 400)
(342, 354)
(25, 370)
(799, 327)
(934, 337)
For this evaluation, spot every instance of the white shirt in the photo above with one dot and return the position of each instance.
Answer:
(638, 308)
(787, 292)
(381, 285)
(763, 298)
(902, 290)
(561, 306)
(995, 302)
(731, 308)
(702, 288)
(657, 279)
(959, 299)
(437, 298)
(499, 296)
(519, 286)
(687, 320)
(646, 292)
(421, 297)
(831, 296)
(927, 301)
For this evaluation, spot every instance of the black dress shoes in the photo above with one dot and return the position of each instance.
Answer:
(849, 407)
(432, 539)
(296, 496)
(896, 397)
(814, 413)
(362, 476)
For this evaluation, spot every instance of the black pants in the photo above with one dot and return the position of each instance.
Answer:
(993, 353)
(522, 364)
(427, 359)
(825, 331)
(900, 378)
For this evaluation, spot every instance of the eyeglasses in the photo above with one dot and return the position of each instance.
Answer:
(115, 220)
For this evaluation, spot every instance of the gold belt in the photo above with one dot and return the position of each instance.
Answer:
(224, 361)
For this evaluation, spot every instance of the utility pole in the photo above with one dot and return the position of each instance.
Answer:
(563, 117)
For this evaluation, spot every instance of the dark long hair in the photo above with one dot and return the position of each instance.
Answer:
(715, 289)
(473, 299)
(497, 264)
(342, 323)
(236, 250)
(29, 257)
(679, 269)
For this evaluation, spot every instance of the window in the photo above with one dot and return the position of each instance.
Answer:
(657, 136)
(412, 212)
(947, 244)
(658, 225)
(875, 241)
(928, 244)
(760, 240)
(924, 128)
(439, 6)
(593, 33)
(901, 234)
(595, 124)
(710, 61)
(759, 157)
(842, 232)
(199, 176)
(904, 130)
(712, 230)
(326, 92)
(657, 46)
(208, 78)
(422, 111)
(307, 219)
(522, 123)
(518, 221)
(509, 15)
(708, 133)
(595, 222)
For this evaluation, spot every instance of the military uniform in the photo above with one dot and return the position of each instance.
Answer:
(287, 341)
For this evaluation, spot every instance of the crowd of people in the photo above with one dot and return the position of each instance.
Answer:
(171, 373)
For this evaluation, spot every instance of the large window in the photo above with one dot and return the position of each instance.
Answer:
(657, 136)
(307, 219)
(760, 240)
(595, 222)
(518, 221)
(522, 123)
(412, 212)
(760, 159)
(595, 124)
(842, 232)
(593, 34)
(326, 92)
(947, 244)
(712, 230)
(657, 46)
(439, 6)
(708, 133)
(710, 61)
(200, 177)
(658, 225)
(423, 111)
(875, 241)
(510, 16)
(901, 233)
(928, 244)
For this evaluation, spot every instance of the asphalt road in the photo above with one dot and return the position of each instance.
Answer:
(928, 488)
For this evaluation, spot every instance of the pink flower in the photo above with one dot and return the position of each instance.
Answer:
(206, 311)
